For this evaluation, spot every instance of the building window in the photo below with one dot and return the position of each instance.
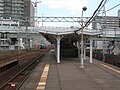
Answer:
(14, 24)
(6, 24)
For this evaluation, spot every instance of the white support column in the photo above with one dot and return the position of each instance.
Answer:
(31, 45)
(78, 45)
(91, 42)
(19, 43)
(58, 38)
(84, 52)
(56, 50)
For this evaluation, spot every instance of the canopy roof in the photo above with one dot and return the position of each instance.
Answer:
(67, 30)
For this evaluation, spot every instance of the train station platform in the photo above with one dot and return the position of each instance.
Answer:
(68, 75)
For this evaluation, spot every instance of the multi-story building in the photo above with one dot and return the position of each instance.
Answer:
(110, 26)
(17, 10)
(29, 11)
(15, 25)
(108, 22)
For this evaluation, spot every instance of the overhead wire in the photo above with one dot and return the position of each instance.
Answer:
(113, 7)
(102, 3)
(102, 7)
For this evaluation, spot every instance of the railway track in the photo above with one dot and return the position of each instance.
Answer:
(15, 77)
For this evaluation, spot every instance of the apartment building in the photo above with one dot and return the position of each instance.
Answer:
(15, 13)
(17, 10)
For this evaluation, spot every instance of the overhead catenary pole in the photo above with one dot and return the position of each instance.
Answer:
(35, 5)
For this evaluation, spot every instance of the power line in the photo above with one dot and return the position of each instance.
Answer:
(112, 7)
(102, 3)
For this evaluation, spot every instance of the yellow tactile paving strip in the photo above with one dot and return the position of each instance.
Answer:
(42, 83)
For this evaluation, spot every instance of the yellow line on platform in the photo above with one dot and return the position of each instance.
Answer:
(43, 79)
(115, 70)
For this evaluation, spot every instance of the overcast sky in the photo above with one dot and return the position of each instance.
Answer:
(73, 7)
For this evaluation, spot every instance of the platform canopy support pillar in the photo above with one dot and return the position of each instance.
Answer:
(91, 44)
(78, 49)
(58, 38)
(84, 51)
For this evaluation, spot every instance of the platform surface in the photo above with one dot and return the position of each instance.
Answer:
(69, 76)
(2, 64)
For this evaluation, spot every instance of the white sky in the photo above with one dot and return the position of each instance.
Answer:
(72, 8)
(72, 5)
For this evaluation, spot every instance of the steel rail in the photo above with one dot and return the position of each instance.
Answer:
(26, 67)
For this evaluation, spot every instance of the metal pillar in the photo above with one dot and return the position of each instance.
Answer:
(58, 38)
(78, 44)
(19, 44)
(55, 50)
(84, 52)
(91, 42)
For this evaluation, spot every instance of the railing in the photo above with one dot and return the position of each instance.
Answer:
(14, 29)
